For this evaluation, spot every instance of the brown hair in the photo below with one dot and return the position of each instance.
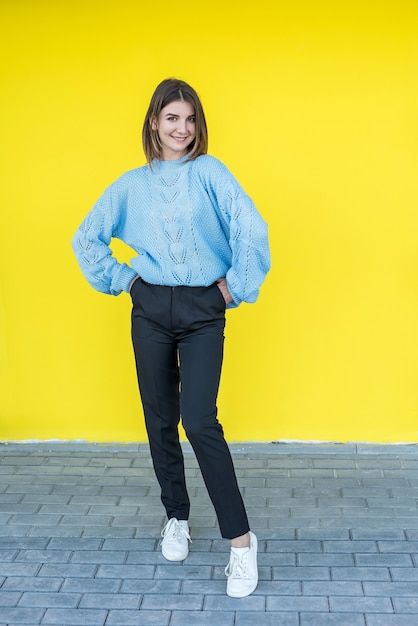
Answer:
(168, 91)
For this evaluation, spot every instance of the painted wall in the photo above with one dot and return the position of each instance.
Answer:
(313, 106)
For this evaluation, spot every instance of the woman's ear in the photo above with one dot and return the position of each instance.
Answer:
(153, 123)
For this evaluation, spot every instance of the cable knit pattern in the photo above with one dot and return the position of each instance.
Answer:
(189, 223)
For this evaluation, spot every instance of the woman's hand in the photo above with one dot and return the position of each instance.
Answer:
(223, 288)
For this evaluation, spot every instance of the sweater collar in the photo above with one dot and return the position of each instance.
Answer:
(168, 166)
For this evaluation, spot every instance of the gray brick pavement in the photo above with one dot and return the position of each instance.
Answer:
(337, 527)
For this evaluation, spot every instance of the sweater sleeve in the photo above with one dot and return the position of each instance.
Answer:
(91, 245)
(248, 238)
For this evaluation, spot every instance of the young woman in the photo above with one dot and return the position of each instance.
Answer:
(201, 247)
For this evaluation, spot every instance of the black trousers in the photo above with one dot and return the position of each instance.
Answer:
(178, 337)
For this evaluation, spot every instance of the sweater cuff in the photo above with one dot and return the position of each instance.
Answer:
(123, 279)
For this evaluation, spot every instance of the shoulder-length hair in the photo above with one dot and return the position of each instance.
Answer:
(168, 91)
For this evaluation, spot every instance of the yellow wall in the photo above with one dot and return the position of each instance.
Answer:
(313, 106)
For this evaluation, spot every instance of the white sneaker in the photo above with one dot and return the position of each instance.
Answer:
(175, 536)
(242, 570)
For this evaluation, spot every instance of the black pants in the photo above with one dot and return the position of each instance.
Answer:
(178, 336)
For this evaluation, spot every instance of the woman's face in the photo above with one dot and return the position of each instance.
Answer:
(176, 127)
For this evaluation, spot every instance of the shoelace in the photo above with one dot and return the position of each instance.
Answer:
(174, 530)
(237, 566)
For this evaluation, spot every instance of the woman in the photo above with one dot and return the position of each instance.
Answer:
(201, 248)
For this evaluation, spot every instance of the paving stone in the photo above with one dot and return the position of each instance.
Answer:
(47, 499)
(29, 583)
(35, 520)
(391, 589)
(107, 532)
(110, 601)
(332, 619)
(360, 604)
(398, 546)
(297, 603)
(172, 602)
(327, 560)
(360, 573)
(132, 545)
(123, 571)
(203, 587)
(85, 520)
(384, 560)
(278, 558)
(333, 588)
(56, 531)
(19, 569)
(324, 534)
(294, 521)
(67, 570)
(74, 543)
(15, 507)
(391, 620)
(278, 587)
(194, 618)
(405, 605)
(9, 598)
(182, 571)
(8, 555)
(75, 617)
(249, 618)
(91, 585)
(23, 543)
(61, 600)
(64, 509)
(350, 546)
(31, 616)
(141, 618)
(43, 556)
(280, 533)
(301, 573)
(359, 534)
(400, 574)
(294, 546)
(150, 586)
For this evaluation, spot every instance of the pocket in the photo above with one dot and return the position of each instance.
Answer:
(220, 297)
(134, 287)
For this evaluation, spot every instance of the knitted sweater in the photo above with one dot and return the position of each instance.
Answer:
(189, 222)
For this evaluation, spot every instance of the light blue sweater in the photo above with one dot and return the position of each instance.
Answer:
(189, 223)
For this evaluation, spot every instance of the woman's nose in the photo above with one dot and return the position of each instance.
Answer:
(182, 126)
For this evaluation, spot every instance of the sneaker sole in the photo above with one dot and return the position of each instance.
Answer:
(176, 559)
